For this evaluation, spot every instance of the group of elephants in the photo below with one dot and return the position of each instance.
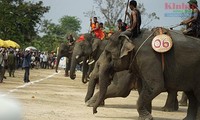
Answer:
(122, 64)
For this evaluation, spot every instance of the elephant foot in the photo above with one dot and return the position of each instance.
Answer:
(147, 117)
(90, 103)
(182, 103)
(170, 106)
(169, 109)
(73, 76)
(66, 74)
(189, 118)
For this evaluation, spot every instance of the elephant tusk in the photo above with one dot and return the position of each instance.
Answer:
(77, 57)
(81, 62)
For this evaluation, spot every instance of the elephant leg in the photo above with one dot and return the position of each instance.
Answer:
(192, 107)
(171, 102)
(183, 101)
(198, 103)
(198, 112)
(66, 68)
(91, 102)
(68, 64)
(146, 95)
(91, 88)
(92, 83)
(112, 91)
(91, 67)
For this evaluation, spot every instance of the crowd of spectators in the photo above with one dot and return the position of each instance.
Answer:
(12, 59)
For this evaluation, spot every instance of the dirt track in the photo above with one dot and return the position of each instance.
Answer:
(52, 96)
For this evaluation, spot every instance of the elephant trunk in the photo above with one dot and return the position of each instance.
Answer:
(57, 62)
(91, 88)
(85, 70)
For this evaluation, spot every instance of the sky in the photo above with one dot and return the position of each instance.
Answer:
(167, 10)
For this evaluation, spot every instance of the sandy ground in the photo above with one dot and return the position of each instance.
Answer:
(52, 96)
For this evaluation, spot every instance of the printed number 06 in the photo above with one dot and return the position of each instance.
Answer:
(161, 43)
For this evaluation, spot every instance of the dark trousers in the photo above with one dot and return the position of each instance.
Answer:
(26, 74)
(11, 70)
(1, 74)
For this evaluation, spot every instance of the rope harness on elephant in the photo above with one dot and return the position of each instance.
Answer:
(157, 31)
(133, 58)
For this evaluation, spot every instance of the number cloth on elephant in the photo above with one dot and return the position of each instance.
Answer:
(98, 32)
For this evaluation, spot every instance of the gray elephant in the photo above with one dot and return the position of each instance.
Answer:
(87, 48)
(180, 71)
(65, 50)
(120, 86)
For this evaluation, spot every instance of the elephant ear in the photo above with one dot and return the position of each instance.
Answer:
(127, 46)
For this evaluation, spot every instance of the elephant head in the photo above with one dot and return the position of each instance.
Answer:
(64, 50)
(81, 49)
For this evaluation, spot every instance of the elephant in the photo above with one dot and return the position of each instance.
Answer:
(89, 47)
(65, 50)
(120, 86)
(171, 71)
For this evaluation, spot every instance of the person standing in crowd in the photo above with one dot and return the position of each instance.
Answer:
(95, 28)
(45, 60)
(1, 65)
(5, 58)
(18, 60)
(41, 59)
(11, 63)
(26, 65)
(37, 60)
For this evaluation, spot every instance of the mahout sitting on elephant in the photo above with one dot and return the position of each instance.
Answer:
(85, 47)
(180, 71)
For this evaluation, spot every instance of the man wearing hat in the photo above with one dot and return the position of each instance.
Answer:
(26, 64)
(193, 23)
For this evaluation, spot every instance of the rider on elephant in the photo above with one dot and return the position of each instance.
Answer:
(70, 39)
(95, 28)
(135, 20)
(122, 26)
(193, 23)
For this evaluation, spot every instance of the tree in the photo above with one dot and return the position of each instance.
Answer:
(112, 10)
(54, 34)
(70, 24)
(19, 19)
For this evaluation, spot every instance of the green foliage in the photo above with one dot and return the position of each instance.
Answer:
(19, 20)
(54, 34)
(70, 24)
